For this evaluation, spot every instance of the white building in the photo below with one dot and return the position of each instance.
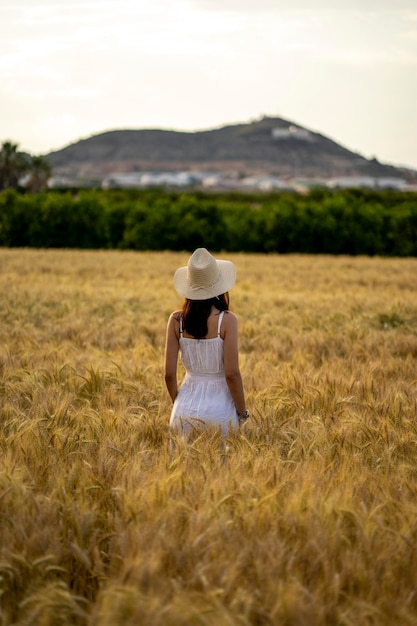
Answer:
(367, 181)
(292, 132)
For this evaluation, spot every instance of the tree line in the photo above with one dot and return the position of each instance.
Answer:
(353, 222)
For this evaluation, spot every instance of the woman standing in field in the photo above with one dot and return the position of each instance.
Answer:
(205, 332)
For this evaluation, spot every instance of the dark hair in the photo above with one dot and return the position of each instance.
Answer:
(195, 314)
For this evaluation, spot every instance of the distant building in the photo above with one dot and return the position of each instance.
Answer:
(142, 180)
(264, 183)
(390, 183)
(292, 132)
(367, 181)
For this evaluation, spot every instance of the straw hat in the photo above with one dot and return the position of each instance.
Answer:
(204, 277)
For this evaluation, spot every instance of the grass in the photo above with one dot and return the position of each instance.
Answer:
(307, 517)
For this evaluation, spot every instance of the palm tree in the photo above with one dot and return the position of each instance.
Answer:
(39, 173)
(13, 164)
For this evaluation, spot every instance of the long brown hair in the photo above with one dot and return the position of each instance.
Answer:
(195, 314)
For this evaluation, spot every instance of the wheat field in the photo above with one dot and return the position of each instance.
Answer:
(307, 517)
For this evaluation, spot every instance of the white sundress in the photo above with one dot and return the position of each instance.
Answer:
(204, 397)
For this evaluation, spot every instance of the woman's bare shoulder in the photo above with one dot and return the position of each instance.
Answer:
(230, 320)
(229, 315)
(174, 318)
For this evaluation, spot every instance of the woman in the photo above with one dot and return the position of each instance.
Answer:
(206, 334)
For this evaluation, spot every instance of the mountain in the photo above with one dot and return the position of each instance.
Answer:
(270, 145)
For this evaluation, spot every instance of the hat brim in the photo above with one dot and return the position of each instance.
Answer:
(225, 281)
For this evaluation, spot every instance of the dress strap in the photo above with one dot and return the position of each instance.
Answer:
(220, 323)
(181, 327)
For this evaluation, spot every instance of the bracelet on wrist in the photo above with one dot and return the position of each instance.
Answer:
(243, 416)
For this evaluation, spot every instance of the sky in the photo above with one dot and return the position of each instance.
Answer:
(70, 69)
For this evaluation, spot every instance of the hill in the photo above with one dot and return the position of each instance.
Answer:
(267, 146)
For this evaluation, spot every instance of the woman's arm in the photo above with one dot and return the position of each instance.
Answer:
(231, 362)
(171, 355)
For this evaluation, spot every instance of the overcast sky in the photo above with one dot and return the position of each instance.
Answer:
(344, 68)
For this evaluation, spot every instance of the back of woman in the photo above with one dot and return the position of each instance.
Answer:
(203, 356)
(205, 334)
